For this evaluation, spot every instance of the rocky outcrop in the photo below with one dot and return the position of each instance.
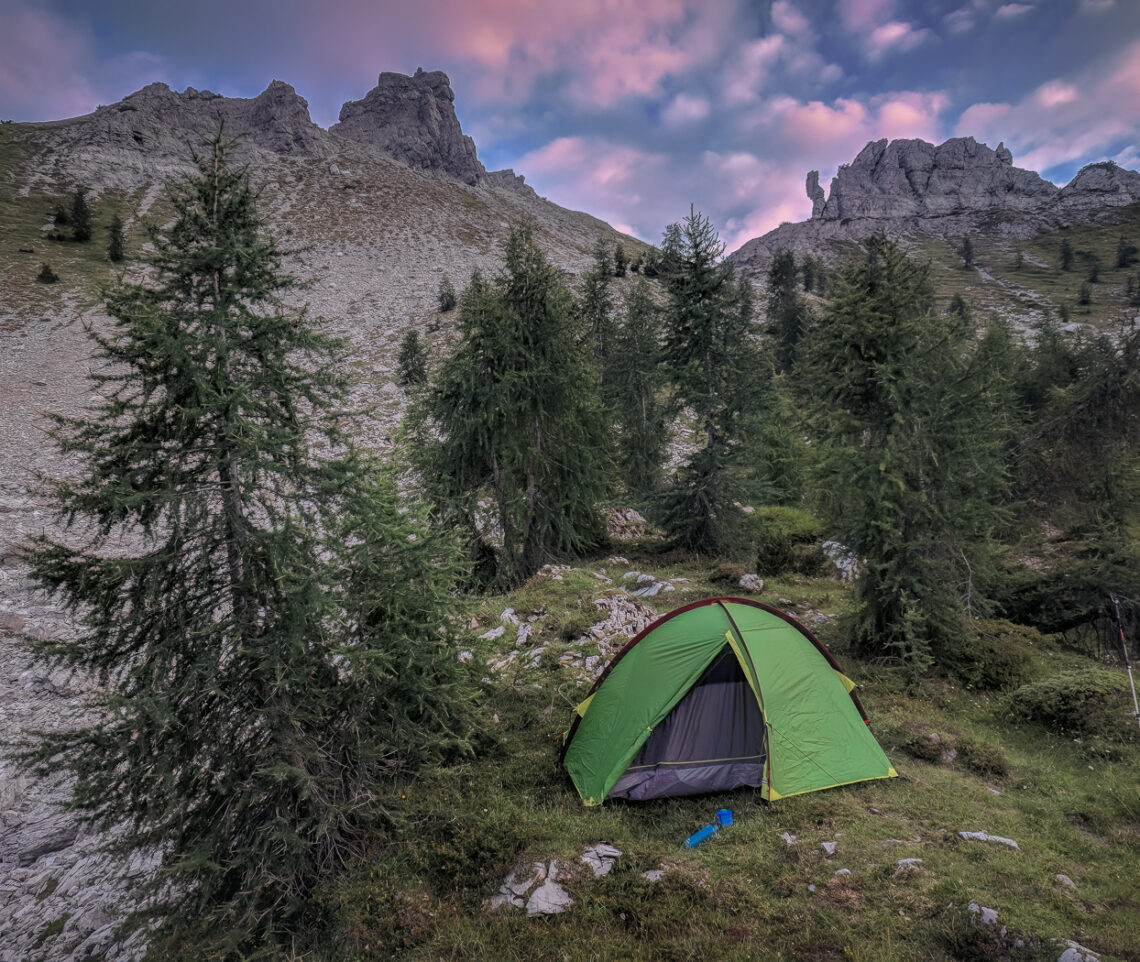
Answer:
(413, 119)
(815, 193)
(909, 187)
(1102, 185)
(914, 179)
(277, 119)
(509, 179)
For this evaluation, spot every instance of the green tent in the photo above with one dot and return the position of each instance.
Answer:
(721, 694)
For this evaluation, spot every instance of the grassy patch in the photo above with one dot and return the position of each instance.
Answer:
(745, 893)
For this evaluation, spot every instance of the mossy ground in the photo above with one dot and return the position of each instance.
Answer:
(1073, 806)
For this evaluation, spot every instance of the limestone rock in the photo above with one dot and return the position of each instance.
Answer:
(815, 194)
(908, 187)
(1100, 186)
(413, 119)
(911, 178)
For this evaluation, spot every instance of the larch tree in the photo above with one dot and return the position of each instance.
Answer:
(710, 354)
(254, 715)
(515, 418)
(637, 381)
(908, 409)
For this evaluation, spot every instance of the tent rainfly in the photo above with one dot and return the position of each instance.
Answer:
(721, 694)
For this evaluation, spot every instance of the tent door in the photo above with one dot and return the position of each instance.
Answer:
(712, 741)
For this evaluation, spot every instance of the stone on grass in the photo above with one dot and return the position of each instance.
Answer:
(788, 837)
(550, 898)
(1065, 881)
(828, 847)
(751, 582)
(986, 837)
(654, 874)
(1075, 952)
(601, 858)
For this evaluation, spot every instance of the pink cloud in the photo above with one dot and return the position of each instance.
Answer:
(862, 15)
(909, 115)
(894, 36)
(787, 19)
(815, 124)
(620, 184)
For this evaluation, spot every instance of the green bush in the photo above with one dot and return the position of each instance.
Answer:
(1089, 701)
(992, 655)
(786, 541)
(982, 758)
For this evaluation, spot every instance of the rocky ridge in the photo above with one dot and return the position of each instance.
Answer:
(908, 187)
(146, 135)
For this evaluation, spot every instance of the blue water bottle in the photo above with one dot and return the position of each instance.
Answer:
(697, 837)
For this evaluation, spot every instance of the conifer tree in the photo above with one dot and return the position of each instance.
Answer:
(712, 362)
(967, 253)
(597, 307)
(80, 218)
(115, 245)
(908, 407)
(515, 417)
(637, 381)
(787, 312)
(447, 298)
(411, 363)
(267, 675)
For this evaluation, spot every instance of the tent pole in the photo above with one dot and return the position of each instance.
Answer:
(1127, 664)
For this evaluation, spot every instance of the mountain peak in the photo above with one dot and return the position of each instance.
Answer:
(413, 119)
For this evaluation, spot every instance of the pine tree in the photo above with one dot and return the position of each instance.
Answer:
(47, 275)
(637, 381)
(713, 364)
(909, 410)
(597, 307)
(447, 298)
(80, 216)
(411, 363)
(787, 312)
(967, 252)
(256, 707)
(115, 245)
(514, 417)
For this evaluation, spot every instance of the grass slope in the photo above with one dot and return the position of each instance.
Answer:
(1072, 804)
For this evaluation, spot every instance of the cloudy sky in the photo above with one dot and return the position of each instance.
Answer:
(633, 109)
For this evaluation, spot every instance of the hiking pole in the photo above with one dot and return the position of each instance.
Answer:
(1124, 648)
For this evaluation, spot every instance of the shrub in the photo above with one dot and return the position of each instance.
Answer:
(1087, 701)
(47, 275)
(787, 540)
(982, 758)
(992, 655)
